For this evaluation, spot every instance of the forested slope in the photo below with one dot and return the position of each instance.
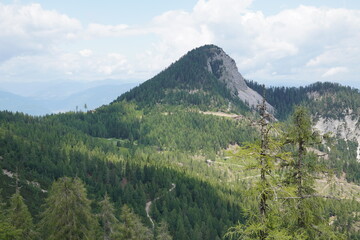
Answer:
(323, 99)
(42, 150)
(156, 136)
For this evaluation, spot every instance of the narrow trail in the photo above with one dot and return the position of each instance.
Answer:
(248, 177)
(148, 205)
(225, 163)
(322, 191)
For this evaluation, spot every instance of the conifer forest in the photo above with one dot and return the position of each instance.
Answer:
(182, 157)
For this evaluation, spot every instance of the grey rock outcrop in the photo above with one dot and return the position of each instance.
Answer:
(225, 69)
(346, 128)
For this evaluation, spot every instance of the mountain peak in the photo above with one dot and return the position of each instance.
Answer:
(202, 72)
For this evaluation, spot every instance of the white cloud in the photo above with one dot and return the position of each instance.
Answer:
(68, 65)
(301, 43)
(114, 62)
(220, 10)
(34, 45)
(85, 52)
(295, 43)
(178, 32)
(100, 30)
(336, 55)
(29, 29)
(334, 71)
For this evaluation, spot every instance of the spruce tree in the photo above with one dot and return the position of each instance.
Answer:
(264, 221)
(306, 220)
(180, 232)
(107, 218)
(301, 135)
(7, 230)
(162, 232)
(67, 213)
(20, 217)
(131, 227)
(265, 164)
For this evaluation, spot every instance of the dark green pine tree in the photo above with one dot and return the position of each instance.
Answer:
(264, 222)
(180, 232)
(304, 207)
(7, 230)
(20, 217)
(301, 136)
(162, 232)
(107, 218)
(131, 227)
(67, 213)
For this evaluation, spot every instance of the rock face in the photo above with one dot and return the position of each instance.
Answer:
(225, 69)
(346, 128)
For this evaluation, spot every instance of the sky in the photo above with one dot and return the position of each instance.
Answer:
(278, 42)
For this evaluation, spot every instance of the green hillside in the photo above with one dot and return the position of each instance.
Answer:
(42, 150)
(174, 149)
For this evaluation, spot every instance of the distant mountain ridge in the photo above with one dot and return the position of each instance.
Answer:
(63, 97)
(15, 103)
